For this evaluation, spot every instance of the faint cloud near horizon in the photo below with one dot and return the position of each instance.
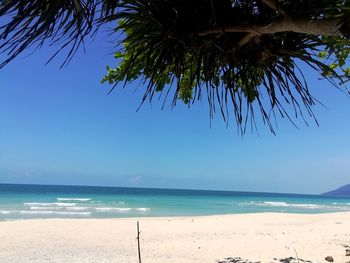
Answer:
(135, 179)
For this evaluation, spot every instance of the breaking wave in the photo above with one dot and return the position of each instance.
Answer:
(5, 212)
(44, 212)
(50, 204)
(78, 208)
(121, 209)
(292, 205)
(143, 209)
(73, 199)
(49, 212)
(45, 207)
(106, 209)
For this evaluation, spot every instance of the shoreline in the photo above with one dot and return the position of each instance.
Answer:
(265, 237)
(174, 217)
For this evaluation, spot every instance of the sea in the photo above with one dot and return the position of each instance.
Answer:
(19, 202)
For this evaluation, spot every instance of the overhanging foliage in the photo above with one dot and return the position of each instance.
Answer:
(242, 56)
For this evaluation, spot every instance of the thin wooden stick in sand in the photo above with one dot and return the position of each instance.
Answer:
(138, 241)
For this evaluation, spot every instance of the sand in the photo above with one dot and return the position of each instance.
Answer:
(256, 237)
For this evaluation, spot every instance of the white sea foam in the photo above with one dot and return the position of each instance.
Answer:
(49, 212)
(284, 204)
(107, 209)
(73, 199)
(74, 213)
(35, 203)
(59, 207)
(78, 208)
(45, 207)
(36, 212)
(64, 204)
(334, 206)
(275, 204)
(120, 209)
(5, 212)
(50, 204)
(341, 204)
(143, 209)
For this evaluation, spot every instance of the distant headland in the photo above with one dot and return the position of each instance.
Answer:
(341, 191)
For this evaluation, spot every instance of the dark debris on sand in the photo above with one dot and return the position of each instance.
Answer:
(283, 260)
(293, 260)
(237, 260)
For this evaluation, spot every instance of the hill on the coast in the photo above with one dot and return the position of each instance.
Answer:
(341, 191)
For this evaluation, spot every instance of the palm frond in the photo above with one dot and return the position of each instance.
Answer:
(64, 22)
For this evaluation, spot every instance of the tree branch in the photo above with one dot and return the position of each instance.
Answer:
(274, 5)
(329, 27)
(247, 39)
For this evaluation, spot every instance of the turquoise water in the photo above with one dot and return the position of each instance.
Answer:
(38, 201)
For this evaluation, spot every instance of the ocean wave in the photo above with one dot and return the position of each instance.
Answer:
(285, 204)
(121, 209)
(75, 208)
(50, 204)
(73, 199)
(78, 208)
(106, 209)
(45, 207)
(36, 203)
(341, 204)
(49, 212)
(143, 209)
(5, 212)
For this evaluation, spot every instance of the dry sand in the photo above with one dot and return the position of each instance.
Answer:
(257, 237)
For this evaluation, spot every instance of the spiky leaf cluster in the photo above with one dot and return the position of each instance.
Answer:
(163, 45)
(26, 23)
(166, 44)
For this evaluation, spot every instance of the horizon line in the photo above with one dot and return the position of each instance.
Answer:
(160, 188)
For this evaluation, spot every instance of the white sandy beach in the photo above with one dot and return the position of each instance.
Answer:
(256, 237)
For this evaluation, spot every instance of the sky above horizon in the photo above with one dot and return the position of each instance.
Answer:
(60, 126)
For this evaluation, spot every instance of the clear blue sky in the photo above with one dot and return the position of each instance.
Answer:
(61, 127)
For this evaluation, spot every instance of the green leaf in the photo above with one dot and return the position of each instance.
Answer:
(322, 54)
(333, 66)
